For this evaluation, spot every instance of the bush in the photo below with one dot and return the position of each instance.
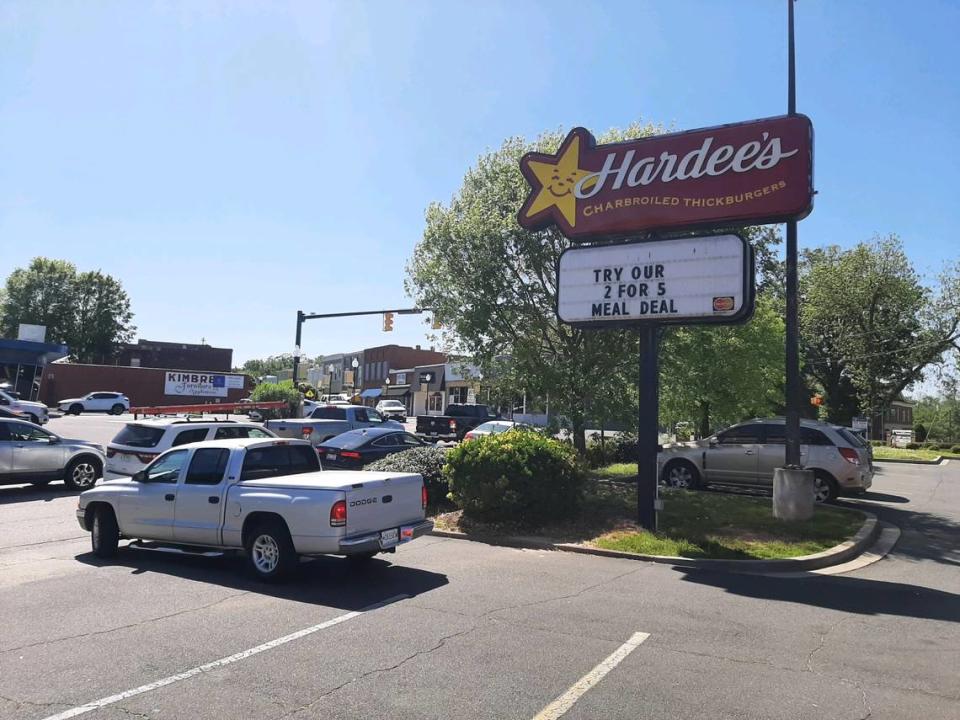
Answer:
(913, 446)
(920, 432)
(270, 392)
(625, 444)
(955, 450)
(516, 476)
(932, 446)
(878, 443)
(598, 455)
(426, 461)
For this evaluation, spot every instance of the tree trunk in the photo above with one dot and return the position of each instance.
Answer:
(579, 429)
(704, 419)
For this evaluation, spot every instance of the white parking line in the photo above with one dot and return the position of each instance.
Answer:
(559, 707)
(97, 704)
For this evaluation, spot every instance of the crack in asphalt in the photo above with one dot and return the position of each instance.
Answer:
(42, 542)
(21, 703)
(823, 640)
(376, 671)
(123, 627)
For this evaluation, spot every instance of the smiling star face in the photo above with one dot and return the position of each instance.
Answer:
(557, 180)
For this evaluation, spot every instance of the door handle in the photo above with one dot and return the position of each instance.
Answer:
(213, 499)
(169, 496)
(748, 452)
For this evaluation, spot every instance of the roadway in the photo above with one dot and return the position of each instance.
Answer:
(451, 628)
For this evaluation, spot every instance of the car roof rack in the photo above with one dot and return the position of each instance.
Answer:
(185, 421)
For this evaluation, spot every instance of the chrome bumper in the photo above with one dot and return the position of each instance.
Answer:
(370, 542)
(82, 519)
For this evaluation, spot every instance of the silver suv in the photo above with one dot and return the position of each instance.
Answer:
(747, 454)
(30, 454)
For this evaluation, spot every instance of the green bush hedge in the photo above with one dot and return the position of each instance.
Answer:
(955, 450)
(932, 446)
(598, 455)
(913, 446)
(878, 443)
(270, 392)
(427, 461)
(516, 476)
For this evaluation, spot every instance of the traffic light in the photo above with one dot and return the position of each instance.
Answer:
(388, 322)
(435, 324)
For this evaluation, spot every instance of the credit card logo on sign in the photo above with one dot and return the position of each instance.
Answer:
(723, 304)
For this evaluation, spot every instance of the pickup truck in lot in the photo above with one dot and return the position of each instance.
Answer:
(265, 497)
(329, 421)
(458, 421)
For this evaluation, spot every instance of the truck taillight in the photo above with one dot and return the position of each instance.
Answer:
(307, 431)
(453, 424)
(850, 455)
(423, 496)
(146, 457)
(338, 514)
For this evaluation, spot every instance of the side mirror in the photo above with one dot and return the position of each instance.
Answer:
(54, 439)
(713, 442)
(139, 476)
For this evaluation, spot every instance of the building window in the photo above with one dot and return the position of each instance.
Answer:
(458, 395)
(401, 378)
(436, 402)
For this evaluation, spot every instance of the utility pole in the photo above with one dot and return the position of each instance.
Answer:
(792, 453)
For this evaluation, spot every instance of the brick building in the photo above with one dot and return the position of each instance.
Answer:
(172, 355)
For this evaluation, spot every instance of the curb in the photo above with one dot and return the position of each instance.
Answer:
(864, 538)
(937, 461)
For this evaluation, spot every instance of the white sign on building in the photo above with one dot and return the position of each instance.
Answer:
(33, 333)
(200, 384)
(688, 280)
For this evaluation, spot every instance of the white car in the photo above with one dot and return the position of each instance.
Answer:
(33, 411)
(393, 409)
(495, 427)
(139, 443)
(109, 402)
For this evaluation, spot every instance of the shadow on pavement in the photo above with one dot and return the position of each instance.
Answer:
(328, 581)
(882, 497)
(32, 493)
(839, 592)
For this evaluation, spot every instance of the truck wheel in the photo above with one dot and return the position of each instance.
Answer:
(681, 474)
(270, 551)
(82, 474)
(117, 409)
(104, 535)
(34, 419)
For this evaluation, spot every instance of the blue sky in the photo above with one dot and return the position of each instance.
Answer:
(232, 162)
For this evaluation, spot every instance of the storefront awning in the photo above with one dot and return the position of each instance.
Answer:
(371, 393)
(398, 391)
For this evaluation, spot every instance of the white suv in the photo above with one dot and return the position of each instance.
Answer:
(139, 443)
(110, 402)
(34, 412)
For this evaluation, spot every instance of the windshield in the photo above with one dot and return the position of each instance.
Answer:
(141, 436)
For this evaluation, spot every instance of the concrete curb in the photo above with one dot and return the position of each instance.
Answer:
(937, 461)
(836, 555)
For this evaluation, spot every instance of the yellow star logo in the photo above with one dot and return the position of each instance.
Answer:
(556, 181)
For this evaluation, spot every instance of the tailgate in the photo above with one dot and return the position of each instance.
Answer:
(381, 503)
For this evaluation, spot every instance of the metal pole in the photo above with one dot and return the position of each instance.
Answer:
(296, 344)
(792, 452)
(647, 430)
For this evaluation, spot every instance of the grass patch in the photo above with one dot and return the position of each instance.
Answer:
(712, 525)
(692, 524)
(616, 471)
(892, 453)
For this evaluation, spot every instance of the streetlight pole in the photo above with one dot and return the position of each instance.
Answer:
(354, 364)
(792, 453)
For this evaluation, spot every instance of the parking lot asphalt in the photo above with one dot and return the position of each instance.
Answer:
(450, 628)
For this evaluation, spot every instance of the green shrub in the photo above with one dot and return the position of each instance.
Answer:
(932, 446)
(920, 432)
(520, 477)
(955, 450)
(913, 446)
(625, 444)
(270, 392)
(426, 461)
(878, 443)
(598, 455)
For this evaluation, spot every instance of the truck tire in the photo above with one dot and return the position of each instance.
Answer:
(270, 551)
(82, 473)
(104, 534)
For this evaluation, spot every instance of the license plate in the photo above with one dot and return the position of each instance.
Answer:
(389, 538)
(331, 456)
(434, 434)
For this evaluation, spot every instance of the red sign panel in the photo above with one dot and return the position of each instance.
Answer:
(753, 172)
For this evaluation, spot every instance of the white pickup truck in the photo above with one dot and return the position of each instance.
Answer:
(33, 411)
(328, 421)
(268, 498)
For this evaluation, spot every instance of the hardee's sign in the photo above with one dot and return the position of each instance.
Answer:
(753, 172)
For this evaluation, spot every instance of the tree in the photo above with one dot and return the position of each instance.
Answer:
(268, 366)
(41, 294)
(869, 326)
(89, 312)
(719, 375)
(103, 317)
(493, 286)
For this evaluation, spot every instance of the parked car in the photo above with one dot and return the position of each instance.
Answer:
(747, 454)
(393, 409)
(140, 442)
(267, 498)
(329, 421)
(30, 454)
(458, 420)
(356, 448)
(109, 402)
(13, 414)
(495, 427)
(36, 412)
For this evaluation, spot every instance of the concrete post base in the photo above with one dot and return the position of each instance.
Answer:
(793, 495)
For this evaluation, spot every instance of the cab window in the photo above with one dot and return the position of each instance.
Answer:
(207, 466)
(166, 469)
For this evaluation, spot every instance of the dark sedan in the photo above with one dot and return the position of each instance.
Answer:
(356, 448)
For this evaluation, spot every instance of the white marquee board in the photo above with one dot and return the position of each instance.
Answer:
(707, 279)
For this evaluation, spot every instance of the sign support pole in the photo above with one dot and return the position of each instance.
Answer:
(792, 430)
(648, 434)
(296, 358)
